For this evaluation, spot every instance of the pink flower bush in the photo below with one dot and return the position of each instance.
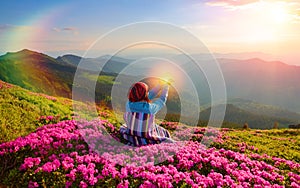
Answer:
(169, 125)
(4, 85)
(82, 154)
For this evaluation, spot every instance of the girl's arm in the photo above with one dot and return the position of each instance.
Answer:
(153, 92)
(160, 102)
(164, 93)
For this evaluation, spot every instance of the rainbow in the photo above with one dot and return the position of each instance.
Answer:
(32, 32)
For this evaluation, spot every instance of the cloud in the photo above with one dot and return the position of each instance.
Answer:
(7, 27)
(242, 3)
(292, 7)
(231, 3)
(56, 29)
(66, 29)
(69, 29)
(296, 14)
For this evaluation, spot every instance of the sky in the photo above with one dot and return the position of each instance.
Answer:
(224, 26)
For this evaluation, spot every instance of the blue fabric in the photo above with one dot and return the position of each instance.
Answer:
(150, 108)
(140, 128)
(153, 92)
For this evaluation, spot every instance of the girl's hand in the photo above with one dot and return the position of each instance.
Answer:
(170, 81)
(166, 81)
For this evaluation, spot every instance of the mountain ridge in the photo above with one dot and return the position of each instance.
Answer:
(54, 76)
(264, 109)
(241, 116)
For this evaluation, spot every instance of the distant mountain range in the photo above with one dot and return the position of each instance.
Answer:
(264, 109)
(108, 63)
(253, 117)
(273, 85)
(247, 55)
(267, 82)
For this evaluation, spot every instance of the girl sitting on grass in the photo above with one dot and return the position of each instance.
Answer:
(140, 127)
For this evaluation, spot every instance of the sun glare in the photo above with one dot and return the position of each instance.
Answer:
(169, 72)
(278, 13)
(266, 22)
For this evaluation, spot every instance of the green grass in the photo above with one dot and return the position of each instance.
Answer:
(282, 143)
(101, 79)
(21, 110)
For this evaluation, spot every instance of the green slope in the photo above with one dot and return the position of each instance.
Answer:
(21, 110)
(36, 72)
(44, 74)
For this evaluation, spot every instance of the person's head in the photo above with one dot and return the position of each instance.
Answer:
(138, 92)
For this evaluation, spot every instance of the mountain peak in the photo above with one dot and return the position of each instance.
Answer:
(23, 53)
(26, 51)
(69, 59)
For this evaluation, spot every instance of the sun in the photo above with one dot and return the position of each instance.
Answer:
(168, 71)
(267, 22)
(278, 13)
(272, 13)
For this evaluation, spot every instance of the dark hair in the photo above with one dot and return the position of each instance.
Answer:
(138, 92)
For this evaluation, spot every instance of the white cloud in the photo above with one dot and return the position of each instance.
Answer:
(232, 4)
(73, 30)
(7, 27)
(292, 7)
(56, 29)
